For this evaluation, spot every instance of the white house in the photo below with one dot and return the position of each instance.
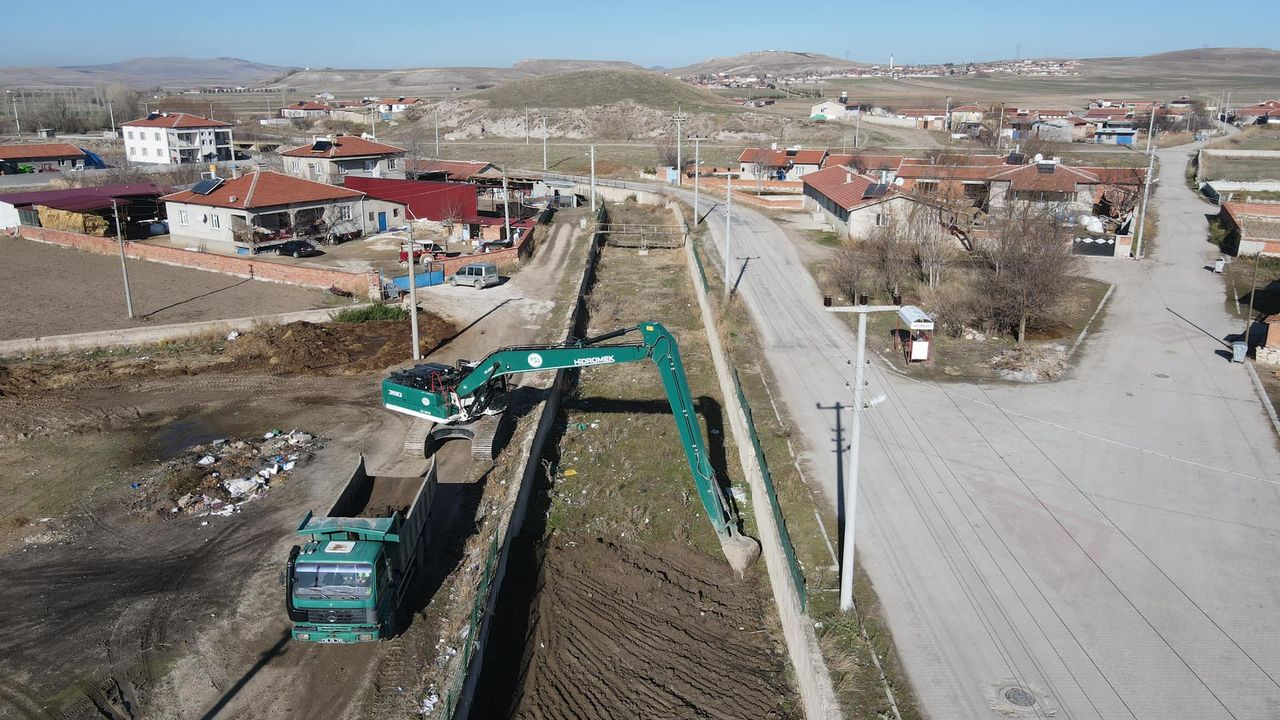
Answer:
(393, 105)
(176, 138)
(251, 213)
(835, 110)
(304, 109)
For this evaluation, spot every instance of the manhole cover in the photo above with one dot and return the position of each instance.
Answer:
(1019, 697)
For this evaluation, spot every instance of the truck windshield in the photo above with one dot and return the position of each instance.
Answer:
(351, 581)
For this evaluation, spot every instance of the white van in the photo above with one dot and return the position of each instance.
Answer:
(477, 275)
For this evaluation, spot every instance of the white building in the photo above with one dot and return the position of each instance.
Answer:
(329, 160)
(176, 138)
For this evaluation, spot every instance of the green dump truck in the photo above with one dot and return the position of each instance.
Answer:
(347, 582)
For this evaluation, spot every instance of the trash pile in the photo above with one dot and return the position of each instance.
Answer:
(219, 477)
(1031, 364)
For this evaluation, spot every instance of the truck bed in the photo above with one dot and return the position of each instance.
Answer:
(375, 496)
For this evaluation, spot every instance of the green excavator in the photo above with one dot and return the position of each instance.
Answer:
(470, 391)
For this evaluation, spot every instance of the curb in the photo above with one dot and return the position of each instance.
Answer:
(1262, 395)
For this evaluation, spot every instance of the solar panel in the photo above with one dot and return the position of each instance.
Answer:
(1045, 168)
(321, 146)
(1017, 158)
(204, 187)
(876, 190)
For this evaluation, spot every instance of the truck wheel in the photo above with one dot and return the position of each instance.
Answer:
(453, 282)
(479, 285)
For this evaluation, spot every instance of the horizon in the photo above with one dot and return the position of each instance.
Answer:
(936, 35)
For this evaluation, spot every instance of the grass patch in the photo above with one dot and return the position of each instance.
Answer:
(826, 238)
(587, 88)
(370, 313)
(1239, 280)
(1256, 137)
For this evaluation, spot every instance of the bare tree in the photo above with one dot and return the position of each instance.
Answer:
(935, 247)
(849, 273)
(891, 252)
(1028, 266)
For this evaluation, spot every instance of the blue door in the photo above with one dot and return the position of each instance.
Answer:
(382, 222)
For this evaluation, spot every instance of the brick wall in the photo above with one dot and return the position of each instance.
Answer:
(362, 284)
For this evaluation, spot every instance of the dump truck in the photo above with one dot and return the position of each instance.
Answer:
(347, 582)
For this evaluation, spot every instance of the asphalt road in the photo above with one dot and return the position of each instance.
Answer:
(1107, 542)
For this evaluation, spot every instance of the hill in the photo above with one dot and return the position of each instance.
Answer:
(552, 67)
(147, 72)
(767, 62)
(1205, 63)
(587, 88)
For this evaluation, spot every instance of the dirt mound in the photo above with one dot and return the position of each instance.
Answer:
(297, 345)
(662, 632)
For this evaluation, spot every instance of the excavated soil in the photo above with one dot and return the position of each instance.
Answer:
(657, 632)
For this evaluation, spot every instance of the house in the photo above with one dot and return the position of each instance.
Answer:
(836, 110)
(1252, 227)
(251, 213)
(966, 116)
(854, 204)
(40, 158)
(303, 109)
(1255, 113)
(163, 138)
(926, 118)
(1114, 135)
(330, 159)
(389, 106)
(763, 164)
(88, 210)
(802, 162)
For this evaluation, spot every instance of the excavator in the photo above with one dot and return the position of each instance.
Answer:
(472, 391)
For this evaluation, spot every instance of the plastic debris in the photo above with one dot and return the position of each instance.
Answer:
(233, 335)
(240, 487)
(570, 472)
(207, 460)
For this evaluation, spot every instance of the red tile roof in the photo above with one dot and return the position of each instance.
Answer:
(967, 108)
(1030, 177)
(265, 189)
(345, 146)
(398, 100)
(43, 151)
(764, 156)
(808, 157)
(458, 170)
(175, 120)
(846, 188)
(922, 112)
(1252, 209)
(304, 105)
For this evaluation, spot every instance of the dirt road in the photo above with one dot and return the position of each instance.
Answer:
(52, 290)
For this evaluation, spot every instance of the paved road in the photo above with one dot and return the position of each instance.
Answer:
(1108, 542)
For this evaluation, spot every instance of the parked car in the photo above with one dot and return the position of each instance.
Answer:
(477, 275)
(297, 248)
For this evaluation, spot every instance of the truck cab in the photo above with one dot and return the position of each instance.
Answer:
(341, 585)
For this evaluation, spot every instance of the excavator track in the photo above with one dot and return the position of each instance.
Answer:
(483, 432)
(415, 441)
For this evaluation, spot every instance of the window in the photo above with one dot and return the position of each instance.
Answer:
(395, 212)
(370, 217)
(215, 221)
(157, 137)
(882, 220)
(182, 217)
(129, 134)
(391, 163)
(132, 150)
(344, 212)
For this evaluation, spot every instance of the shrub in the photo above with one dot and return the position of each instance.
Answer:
(376, 311)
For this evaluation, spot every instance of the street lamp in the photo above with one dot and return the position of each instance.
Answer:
(855, 431)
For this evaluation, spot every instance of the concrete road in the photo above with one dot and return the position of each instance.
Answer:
(1107, 542)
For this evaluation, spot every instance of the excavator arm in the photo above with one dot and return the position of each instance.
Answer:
(448, 395)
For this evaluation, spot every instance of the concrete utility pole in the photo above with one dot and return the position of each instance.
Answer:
(857, 125)
(506, 206)
(593, 178)
(112, 114)
(17, 123)
(124, 270)
(855, 432)
(1253, 291)
(544, 143)
(373, 127)
(1142, 214)
(437, 116)
(679, 143)
(728, 224)
(1151, 127)
(946, 116)
(413, 286)
(697, 171)
(526, 125)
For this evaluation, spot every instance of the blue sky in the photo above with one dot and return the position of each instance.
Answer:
(403, 33)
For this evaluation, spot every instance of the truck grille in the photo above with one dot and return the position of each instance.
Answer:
(340, 615)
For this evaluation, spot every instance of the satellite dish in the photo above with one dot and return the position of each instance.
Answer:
(1039, 157)
(899, 182)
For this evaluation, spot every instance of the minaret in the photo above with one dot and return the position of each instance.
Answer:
(890, 62)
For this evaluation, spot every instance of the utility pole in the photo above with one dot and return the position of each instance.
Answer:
(544, 143)
(697, 171)
(1142, 214)
(1000, 128)
(124, 270)
(17, 123)
(437, 117)
(506, 207)
(413, 286)
(946, 116)
(1151, 127)
(526, 124)
(373, 128)
(855, 432)
(112, 114)
(728, 224)
(856, 127)
(1253, 290)
(679, 154)
(593, 178)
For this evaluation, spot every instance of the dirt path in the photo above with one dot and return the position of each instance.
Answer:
(52, 290)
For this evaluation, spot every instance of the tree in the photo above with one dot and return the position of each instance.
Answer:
(891, 253)
(849, 272)
(1028, 266)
